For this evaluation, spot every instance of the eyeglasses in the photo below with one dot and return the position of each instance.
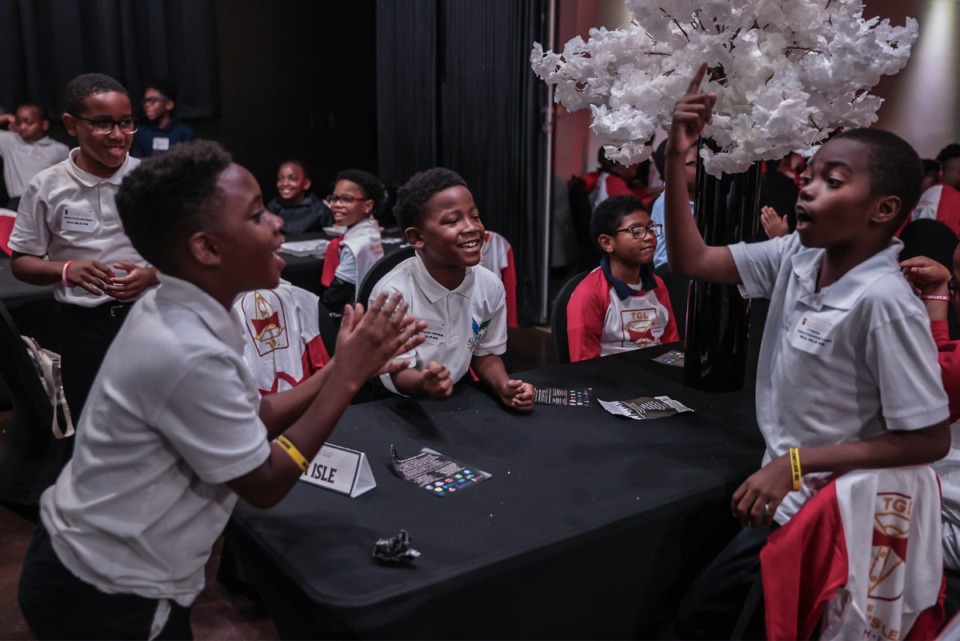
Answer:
(106, 125)
(153, 99)
(345, 199)
(640, 232)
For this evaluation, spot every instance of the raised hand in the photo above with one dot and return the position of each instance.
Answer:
(692, 113)
(368, 339)
(773, 223)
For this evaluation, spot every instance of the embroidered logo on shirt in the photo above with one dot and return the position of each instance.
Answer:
(266, 322)
(478, 329)
(638, 326)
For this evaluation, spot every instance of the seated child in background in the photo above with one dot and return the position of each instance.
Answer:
(175, 430)
(68, 232)
(847, 374)
(461, 302)
(621, 305)
(355, 197)
(497, 256)
(299, 208)
(26, 149)
(283, 345)
(937, 289)
(161, 130)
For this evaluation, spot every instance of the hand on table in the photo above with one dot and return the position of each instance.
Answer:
(436, 380)
(517, 395)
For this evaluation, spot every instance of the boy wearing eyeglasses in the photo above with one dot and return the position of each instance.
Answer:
(621, 305)
(355, 197)
(68, 232)
(161, 129)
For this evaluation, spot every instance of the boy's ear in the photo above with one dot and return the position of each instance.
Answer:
(70, 123)
(886, 210)
(414, 237)
(203, 249)
(606, 243)
(307, 184)
(44, 125)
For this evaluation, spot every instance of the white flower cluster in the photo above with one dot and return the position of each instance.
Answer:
(786, 73)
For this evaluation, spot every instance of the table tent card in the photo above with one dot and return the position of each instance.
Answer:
(644, 407)
(436, 473)
(340, 469)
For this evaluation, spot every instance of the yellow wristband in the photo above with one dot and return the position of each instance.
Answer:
(292, 452)
(795, 472)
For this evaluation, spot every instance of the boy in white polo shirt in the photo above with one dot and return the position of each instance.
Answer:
(175, 429)
(621, 305)
(26, 149)
(462, 303)
(847, 376)
(68, 232)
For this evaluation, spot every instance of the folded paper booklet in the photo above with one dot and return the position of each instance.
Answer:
(562, 396)
(316, 247)
(673, 357)
(436, 473)
(645, 407)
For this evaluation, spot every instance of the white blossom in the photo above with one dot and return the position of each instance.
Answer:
(786, 73)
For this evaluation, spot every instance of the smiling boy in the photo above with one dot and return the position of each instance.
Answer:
(355, 197)
(175, 430)
(68, 232)
(299, 208)
(462, 303)
(26, 149)
(161, 130)
(621, 305)
(847, 376)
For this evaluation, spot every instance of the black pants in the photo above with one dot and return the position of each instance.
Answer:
(85, 336)
(714, 602)
(58, 605)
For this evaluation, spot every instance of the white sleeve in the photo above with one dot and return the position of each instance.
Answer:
(30, 233)
(347, 269)
(758, 264)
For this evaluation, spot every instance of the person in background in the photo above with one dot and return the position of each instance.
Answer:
(26, 149)
(621, 305)
(942, 200)
(161, 130)
(298, 207)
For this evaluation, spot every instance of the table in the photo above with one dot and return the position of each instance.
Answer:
(591, 527)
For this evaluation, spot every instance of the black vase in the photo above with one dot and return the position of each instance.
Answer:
(727, 211)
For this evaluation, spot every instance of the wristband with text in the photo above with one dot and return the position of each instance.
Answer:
(293, 452)
(795, 474)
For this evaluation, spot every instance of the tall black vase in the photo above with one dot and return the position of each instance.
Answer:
(717, 316)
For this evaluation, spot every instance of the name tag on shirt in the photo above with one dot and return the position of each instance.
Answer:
(78, 220)
(161, 144)
(811, 333)
(435, 332)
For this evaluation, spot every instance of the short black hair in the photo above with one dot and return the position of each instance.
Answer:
(165, 87)
(41, 111)
(170, 196)
(298, 163)
(369, 184)
(86, 85)
(413, 196)
(949, 152)
(610, 213)
(894, 166)
(930, 166)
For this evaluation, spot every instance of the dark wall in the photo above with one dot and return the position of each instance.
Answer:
(297, 80)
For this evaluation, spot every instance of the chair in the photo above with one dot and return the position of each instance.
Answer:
(7, 220)
(581, 212)
(380, 269)
(30, 457)
(558, 321)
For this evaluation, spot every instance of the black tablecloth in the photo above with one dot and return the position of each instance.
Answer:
(591, 527)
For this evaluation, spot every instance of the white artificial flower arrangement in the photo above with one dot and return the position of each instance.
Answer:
(786, 73)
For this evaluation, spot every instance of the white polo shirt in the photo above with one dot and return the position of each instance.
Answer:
(839, 365)
(468, 321)
(172, 417)
(23, 160)
(69, 214)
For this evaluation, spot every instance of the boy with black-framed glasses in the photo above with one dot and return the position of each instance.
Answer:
(161, 130)
(68, 232)
(621, 305)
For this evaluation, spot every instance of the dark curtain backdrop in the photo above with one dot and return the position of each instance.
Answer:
(45, 43)
(456, 90)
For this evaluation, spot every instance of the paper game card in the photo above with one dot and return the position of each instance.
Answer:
(436, 473)
(644, 407)
(561, 396)
(673, 357)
